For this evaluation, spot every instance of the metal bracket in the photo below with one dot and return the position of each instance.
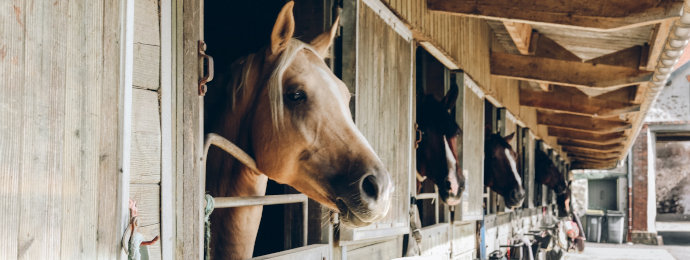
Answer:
(207, 69)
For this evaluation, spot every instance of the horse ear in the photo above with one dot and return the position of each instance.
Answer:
(509, 137)
(283, 29)
(324, 41)
(450, 98)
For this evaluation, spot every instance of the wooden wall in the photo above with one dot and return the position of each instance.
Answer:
(384, 105)
(145, 175)
(59, 92)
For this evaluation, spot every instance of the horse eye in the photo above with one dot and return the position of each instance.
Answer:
(297, 95)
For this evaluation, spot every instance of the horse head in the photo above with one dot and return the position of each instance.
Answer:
(548, 174)
(500, 169)
(436, 154)
(563, 202)
(301, 129)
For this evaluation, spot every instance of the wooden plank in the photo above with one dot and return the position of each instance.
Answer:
(562, 72)
(147, 23)
(146, 72)
(40, 179)
(109, 129)
(521, 33)
(657, 42)
(573, 102)
(547, 48)
(147, 197)
(146, 137)
(581, 123)
(167, 240)
(589, 153)
(597, 15)
(581, 148)
(578, 143)
(12, 40)
(629, 57)
(586, 136)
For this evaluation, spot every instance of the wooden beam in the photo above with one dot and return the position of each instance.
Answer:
(577, 143)
(584, 136)
(600, 15)
(581, 123)
(546, 87)
(521, 33)
(590, 165)
(545, 47)
(580, 148)
(563, 72)
(629, 57)
(588, 159)
(589, 152)
(570, 102)
(657, 42)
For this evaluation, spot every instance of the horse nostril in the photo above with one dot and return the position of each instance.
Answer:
(370, 187)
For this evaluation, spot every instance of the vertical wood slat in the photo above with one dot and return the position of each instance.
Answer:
(11, 112)
(55, 62)
(40, 179)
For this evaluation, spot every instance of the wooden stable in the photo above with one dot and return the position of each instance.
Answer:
(99, 103)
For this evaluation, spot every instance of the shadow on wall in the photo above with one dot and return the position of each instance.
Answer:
(673, 177)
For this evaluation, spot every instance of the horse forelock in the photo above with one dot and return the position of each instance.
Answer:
(275, 82)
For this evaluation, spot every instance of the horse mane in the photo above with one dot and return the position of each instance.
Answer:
(243, 68)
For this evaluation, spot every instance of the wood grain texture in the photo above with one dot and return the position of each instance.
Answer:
(59, 71)
(581, 123)
(562, 100)
(602, 15)
(521, 33)
(473, 152)
(146, 137)
(147, 22)
(146, 71)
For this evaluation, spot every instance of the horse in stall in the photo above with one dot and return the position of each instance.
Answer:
(500, 169)
(287, 109)
(437, 150)
(546, 173)
(563, 202)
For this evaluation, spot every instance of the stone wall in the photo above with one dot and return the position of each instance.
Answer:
(673, 177)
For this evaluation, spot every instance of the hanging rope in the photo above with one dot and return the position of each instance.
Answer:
(207, 225)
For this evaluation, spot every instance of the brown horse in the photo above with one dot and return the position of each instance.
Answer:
(563, 202)
(500, 169)
(436, 154)
(546, 173)
(290, 112)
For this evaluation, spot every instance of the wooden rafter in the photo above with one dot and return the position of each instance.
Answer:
(562, 72)
(574, 102)
(630, 57)
(595, 150)
(581, 123)
(590, 154)
(578, 143)
(545, 47)
(521, 33)
(656, 43)
(584, 136)
(595, 14)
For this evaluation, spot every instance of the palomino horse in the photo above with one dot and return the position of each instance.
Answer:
(290, 112)
(436, 154)
(546, 173)
(500, 169)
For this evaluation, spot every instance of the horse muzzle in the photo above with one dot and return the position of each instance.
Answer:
(370, 203)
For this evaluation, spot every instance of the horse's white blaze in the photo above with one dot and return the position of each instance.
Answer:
(452, 164)
(513, 166)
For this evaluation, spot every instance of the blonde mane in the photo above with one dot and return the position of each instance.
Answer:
(275, 81)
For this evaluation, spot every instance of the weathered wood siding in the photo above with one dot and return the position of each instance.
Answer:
(384, 106)
(59, 91)
(472, 150)
(145, 175)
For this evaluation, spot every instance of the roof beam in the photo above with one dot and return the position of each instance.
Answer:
(521, 33)
(547, 48)
(600, 15)
(657, 42)
(577, 143)
(630, 57)
(581, 123)
(578, 103)
(563, 72)
(595, 150)
(577, 152)
(584, 136)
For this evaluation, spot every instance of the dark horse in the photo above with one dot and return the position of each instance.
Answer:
(500, 169)
(546, 173)
(436, 154)
(563, 202)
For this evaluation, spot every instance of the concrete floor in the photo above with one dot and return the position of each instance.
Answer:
(676, 237)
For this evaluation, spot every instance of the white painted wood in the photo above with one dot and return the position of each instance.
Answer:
(318, 251)
(146, 24)
(167, 241)
(146, 72)
(125, 121)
